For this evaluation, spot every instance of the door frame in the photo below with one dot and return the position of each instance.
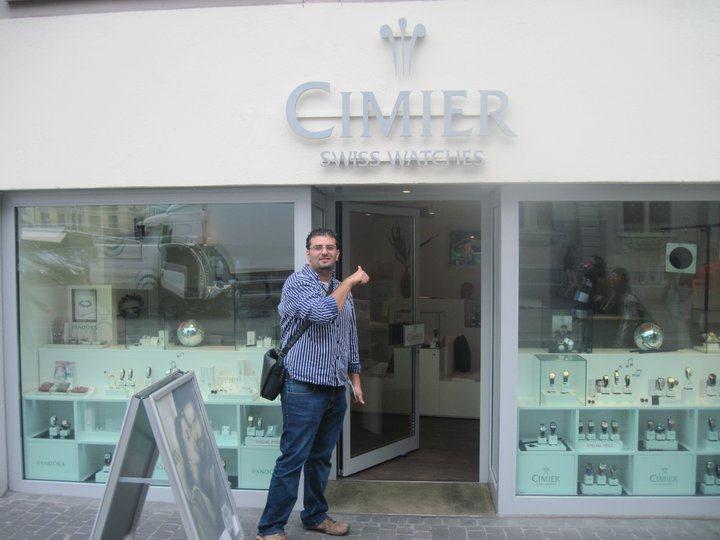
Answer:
(482, 194)
(349, 464)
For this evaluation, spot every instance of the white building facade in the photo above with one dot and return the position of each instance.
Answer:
(578, 129)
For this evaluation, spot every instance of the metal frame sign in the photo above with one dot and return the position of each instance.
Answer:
(169, 419)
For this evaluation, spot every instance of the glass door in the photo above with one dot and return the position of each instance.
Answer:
(383, 240)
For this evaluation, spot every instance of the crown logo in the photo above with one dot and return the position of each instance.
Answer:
(401, 42)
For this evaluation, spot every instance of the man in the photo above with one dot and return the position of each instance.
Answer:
(319, 366)
(588, 298)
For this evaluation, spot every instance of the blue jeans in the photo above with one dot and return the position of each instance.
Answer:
(312, 421)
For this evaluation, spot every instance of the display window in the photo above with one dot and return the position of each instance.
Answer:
(619, 348)
(112, 298)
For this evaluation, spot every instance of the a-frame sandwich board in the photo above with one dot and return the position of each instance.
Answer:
(168, 418)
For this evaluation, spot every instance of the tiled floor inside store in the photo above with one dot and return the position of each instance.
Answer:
(46, 517)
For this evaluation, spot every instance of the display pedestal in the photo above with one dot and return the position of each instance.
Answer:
(598, 445)
(532, 445)
(597, 489)
(102, 475)
(659, 445)
(706, 489)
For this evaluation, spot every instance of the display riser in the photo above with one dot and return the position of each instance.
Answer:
(655, 445)
(596, 489)
(709, 490)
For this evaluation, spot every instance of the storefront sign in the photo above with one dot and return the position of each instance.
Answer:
(408, 103)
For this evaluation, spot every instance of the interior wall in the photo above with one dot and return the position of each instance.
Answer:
(441, 279)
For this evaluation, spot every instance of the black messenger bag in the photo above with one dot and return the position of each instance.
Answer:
(273, 371)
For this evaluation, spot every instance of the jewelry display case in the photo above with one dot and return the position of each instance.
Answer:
(561, 379)
(631, 435)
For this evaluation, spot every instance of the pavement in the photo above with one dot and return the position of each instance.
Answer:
(55, 517)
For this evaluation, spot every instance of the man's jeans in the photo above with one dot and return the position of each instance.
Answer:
(312, 421)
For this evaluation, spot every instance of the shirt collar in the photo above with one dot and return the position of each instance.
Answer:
(309, 271)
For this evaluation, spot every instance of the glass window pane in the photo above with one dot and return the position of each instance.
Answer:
(618, 324)
(112, 297)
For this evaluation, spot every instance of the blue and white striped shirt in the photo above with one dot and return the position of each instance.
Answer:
(328, 350)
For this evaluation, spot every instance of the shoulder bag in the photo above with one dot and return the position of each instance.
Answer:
(273, 371)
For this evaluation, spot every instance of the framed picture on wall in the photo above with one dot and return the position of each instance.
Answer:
(464, 248)
(84, 305)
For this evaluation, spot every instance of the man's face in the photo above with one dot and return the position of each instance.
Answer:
(323, 253)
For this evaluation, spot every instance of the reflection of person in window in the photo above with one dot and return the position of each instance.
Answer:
(677, 298)
(193, 459)
(570, 282)
(625, 304)
(588, 296)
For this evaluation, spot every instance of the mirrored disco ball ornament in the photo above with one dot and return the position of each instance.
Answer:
(190, 333)
(648, 337)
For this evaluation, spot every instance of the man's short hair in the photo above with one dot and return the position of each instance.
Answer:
(320, 232)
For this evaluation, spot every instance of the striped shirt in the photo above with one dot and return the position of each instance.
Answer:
(328, 350)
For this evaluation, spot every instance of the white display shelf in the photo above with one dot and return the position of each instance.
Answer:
(77, 459)
(644, 471)
(98, 437)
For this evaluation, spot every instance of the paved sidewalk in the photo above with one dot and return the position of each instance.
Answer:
(25, 516)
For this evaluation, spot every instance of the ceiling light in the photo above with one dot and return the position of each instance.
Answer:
(406, 191)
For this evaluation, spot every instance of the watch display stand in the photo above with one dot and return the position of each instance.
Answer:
(597, 481)
(656, 436)
(561, 379)
(546, 444)
(709, 393)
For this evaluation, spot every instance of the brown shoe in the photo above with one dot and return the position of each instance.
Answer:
(276, 536)
(330, 526)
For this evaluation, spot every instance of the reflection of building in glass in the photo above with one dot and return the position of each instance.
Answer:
(98, 220)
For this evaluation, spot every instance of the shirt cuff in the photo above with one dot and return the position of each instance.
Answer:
(355, 368)
(332, 305)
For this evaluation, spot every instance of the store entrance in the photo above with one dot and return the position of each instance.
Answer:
(419, 334)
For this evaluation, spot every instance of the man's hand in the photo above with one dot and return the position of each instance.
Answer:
(360, 277)
(357, 388)
(341, 293)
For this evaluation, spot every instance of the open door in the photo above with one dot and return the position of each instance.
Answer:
(383, 240)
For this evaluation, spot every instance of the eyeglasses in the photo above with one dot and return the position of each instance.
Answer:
(320, 247)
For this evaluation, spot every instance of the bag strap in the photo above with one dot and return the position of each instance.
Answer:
(300, 331)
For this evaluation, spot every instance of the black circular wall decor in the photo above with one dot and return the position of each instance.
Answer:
(681, 258)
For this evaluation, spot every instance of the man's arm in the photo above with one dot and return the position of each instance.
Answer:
(341, 293)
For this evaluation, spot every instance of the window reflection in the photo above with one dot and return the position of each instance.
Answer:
(595, 271)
